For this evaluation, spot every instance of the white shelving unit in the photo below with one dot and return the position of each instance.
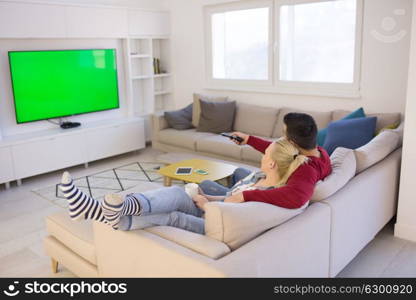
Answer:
(144, 34)
(148, 92)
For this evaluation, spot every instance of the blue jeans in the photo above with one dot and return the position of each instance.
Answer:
(215, 189)
(169, 206)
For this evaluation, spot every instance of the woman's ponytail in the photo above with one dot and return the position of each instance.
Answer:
(298, 160)
(288, 159)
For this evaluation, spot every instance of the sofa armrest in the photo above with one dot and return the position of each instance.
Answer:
(238, 223)
(140, 253)
(158, 123)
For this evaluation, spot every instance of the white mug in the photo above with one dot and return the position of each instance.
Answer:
(192, 189)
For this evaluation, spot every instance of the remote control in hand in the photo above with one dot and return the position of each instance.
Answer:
(233, 137)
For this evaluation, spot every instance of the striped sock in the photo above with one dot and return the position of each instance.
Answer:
(81, 206)
(114, 207)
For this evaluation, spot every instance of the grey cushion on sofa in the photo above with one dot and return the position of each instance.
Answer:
(255, 120)
(322, 119)
(180, 119)
(383, 119)
(196, 109)
(216, 117)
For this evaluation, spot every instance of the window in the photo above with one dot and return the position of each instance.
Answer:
(240, 36)
(240, 43)
(317, 41)
(316, 49)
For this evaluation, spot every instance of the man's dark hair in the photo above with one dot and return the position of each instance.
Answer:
(301, 129)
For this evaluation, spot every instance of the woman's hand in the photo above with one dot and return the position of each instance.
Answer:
(237, 198)
(241, 135)
(200, 201)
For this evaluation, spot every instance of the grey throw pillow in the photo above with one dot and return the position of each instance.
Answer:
(180, 119)
(216, 117)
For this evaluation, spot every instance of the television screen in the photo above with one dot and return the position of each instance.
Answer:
(59, 83)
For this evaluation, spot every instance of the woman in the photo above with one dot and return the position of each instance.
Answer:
(173, 206)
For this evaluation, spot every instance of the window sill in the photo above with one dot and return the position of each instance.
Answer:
(337, 93)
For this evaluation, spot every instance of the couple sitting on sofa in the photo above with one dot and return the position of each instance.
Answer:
(290, 168)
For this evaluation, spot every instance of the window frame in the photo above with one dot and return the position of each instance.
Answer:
(226, 83)
(274, 84)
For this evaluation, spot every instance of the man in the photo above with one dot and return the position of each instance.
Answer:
(302, 131)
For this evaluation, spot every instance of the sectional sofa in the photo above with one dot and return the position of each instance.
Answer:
(320, 242)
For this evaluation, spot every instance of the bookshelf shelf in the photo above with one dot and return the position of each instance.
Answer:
(161, 93)
(148, 90)
(162, 75)
(140, 56)
(141, 77)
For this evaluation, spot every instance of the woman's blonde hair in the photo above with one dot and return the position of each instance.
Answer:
(287, 158)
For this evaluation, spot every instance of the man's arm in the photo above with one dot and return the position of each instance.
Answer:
(294, 194)
(258, 143)
(255, 142)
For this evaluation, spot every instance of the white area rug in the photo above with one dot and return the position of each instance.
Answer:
(139, 176)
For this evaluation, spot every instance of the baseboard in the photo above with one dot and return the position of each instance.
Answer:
(405, 232)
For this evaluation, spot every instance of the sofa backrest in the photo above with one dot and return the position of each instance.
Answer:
(383, 120)
(268, 121)
(255, 120)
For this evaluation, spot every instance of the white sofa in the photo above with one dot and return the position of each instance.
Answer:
(318, 243)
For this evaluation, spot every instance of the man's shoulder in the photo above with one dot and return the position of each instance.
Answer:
(316, 164)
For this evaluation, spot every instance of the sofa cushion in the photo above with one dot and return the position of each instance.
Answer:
(238, 223)
(359, 113)
(181, 138)
(388, 127)
(197, 242)
(180, 119)
(343, 169)
(255, 120)
(376, 150)
(219, 145)
(77, 236)
(350, 134)
(322, 119)
(196, 108)
(399, 131)
(383, 119)
(250, 154)
(216, 117)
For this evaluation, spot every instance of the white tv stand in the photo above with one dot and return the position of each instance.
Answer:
(34, 153)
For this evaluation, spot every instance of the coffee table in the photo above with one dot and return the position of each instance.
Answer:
(216, 171)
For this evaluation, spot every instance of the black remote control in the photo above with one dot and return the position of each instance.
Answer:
(233, 137)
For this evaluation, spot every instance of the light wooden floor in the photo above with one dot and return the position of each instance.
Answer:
(22, 229)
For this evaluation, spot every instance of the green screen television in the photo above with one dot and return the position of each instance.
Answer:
(61, 83)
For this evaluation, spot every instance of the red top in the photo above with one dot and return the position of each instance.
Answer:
(299, 188)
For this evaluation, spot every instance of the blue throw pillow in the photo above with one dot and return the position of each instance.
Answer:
(351, 133)
(359, 113)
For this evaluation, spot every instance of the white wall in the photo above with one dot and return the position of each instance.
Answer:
(406, 216)
(384, 65)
